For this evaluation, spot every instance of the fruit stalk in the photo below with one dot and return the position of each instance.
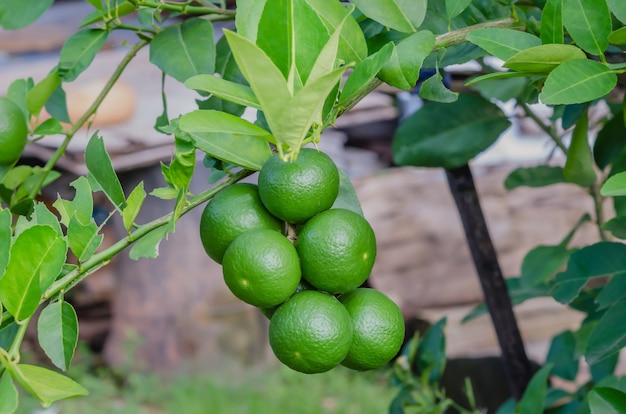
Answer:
(516, 363)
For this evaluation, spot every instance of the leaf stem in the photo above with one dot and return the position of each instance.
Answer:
(14, 351)
(184, 8)
(548, 129)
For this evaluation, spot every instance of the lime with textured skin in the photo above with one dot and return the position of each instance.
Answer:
(261, 267)
(230, 213)
(303, 285)
(337, 250)
(378, 329)
(13, 132)
(311, 332)
(296, 191)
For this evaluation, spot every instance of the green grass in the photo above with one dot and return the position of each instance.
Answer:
(232, 391)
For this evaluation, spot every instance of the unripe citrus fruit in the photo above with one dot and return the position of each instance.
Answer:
(261, 267)
(13, 131)
(303, 285)
(337, 249)
(296, 191)
(230, 213)
(378, 329)
(311, 332)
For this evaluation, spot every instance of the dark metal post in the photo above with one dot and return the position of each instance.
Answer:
(516, 363)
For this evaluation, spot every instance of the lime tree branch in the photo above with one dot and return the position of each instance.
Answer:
(185, 8)
(88, 113)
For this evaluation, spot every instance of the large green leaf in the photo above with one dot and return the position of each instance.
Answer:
(79, 51)
(541, 263)
(57, 329)
(37, 258)
(578, 167)
(431, 352)
(539, 176)
(614, 186)
(46, 385)
(577, 81)
(81, 206)
(616, 226)
(562, 354)
(249, 14)
(608, 337)
(588, 22)
(37, 97)
(83, 238)
(533, 400)
(552, 22)
(185, 50)
(101, 170)
(618, 9)
(18, 14)
(403, 67)
(503, 43)
(448, 135)
(604, 400)
(543, 58)
(8, 394)
(596, 260)
(402, 15)
(227, 90)
(456, 7)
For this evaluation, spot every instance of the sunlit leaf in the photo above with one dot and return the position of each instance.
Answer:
(57, 329)
(503, 43)
(543, 58)
(402, 15)
(101, 170)
(46, 385)
(588, 22)
(552, 22)
(78, 52)
(577, 81)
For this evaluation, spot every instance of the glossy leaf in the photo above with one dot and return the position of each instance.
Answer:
(101, 170)
(401, 15)
(577, 81)
(227, 90)
(133, 206)
(403, 67)
(448, 135)
(552, 22)
(596, 260)
(365, 72)
(616, 226)
(81, 206)
(37, 97)
(579, 164)
(37, 258)
(541, 263)
(78, 52)
(540, 176)
(57, 329)
(603, 400)
(503, 43)
(46, 385)
(618, 9)
(614, 186)
(456, 7)
(249, 14)
(148, 246)
(605, 340)
(543, 58)
(16, 15)
(562, 354)
(588, 22)
(5, 239)
(83, 238)
(533, 400)
(185, 50)
(8, 394)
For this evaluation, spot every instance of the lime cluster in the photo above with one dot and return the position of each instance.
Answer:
(284, 249)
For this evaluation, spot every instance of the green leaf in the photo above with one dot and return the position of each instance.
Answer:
(618, 37)
(614, 186)
(37, 97)
(44, 216)
(249, 14)
(101, 170)
(503, 43)
(433, 89)
(17, 91)
(8, 394)
(185, 50)
(37, 258)
(83, 238)
(606, 339)
(604, 370)
(541, 263)
(133, 205)
(543, 58)
(563, 356)
(116, 9)
(540, 176)
(227, 90)
(431, 352)
(81, 206)
(603, 400)
(228, 138)
(618, 10)
(5, 239)
(502, 75)
(552, 22)
(448, 135)
(8, 333)
(403, 68)
(616, 226)
(596, 260)
(365, 72)
(610, 141)
(579, 164)
(501, 89)
(46, 385)
(401, 15)
(97, 4)
(612, 292)
(57, 329)
(56, 105)
(50, 126)
(16, 15)
(347, 197)
(79, 51)
(148, 246)
(577, 81)
(533, 400)
(588, 22)
(456, 7)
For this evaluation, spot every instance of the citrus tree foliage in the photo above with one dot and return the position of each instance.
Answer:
(301, 64)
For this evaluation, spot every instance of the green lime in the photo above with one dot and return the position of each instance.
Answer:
(296, 191)
(231, 212)
(311, 332)
(303, 285)
(337, 249)
(378, 327)
(261, 267)
(13, 131)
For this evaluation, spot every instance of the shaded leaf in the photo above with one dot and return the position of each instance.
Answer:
(5, 238)
(347, 197)
(577, 81)
(618, 37)
(501, 89)
(78, 52)
(83, 238)
(603, 400)
(503, 43)
(456, 7)
(605, 340)
(579, 164)
(57, 329)
(365, 72)
(533, 400)
(610, 141)
(16, 15)
(618, 10)
(431, 352)
(101, 170)
(402, 15)
(540, 176)
(433, 89)
(616, 226)
(588, 22)
(227, 90)
(562, 354)
(541, 263)
(403, 67)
